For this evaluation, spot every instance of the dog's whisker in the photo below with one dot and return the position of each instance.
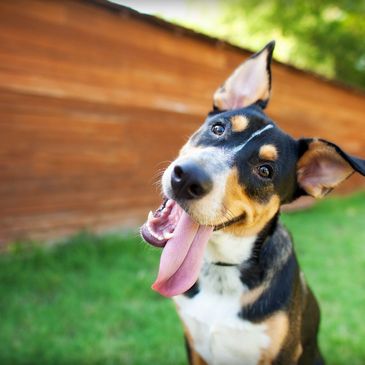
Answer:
(164, 164)
(159, 173)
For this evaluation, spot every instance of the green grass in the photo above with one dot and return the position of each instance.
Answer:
(90, 302)
(330, 244)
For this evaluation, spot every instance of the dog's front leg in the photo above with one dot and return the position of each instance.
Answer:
(193, 357)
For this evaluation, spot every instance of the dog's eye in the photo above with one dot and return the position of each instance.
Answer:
(265, 171)
(218, 129)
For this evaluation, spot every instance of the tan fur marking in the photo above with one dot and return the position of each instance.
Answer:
(239, 123)
(268, 152)
(195, 358)
(277, 330)
(237, 202)
(251, 296)
(298, 352)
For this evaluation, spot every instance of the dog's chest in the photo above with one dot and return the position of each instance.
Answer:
(212, 320)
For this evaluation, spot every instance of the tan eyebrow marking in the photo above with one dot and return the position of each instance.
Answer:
(239, 123)
(268, 152)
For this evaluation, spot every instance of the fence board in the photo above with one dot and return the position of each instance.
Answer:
(95, 101)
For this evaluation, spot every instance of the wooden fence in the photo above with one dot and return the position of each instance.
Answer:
(95, 99)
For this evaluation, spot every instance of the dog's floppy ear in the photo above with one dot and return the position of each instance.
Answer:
(323, 165)
(249, 83)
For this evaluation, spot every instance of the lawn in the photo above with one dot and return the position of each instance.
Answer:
(89, 302)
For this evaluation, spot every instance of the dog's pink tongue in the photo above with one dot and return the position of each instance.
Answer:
(182, 257)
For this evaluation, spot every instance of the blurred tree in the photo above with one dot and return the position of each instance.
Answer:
(321, 35)
(324, 36)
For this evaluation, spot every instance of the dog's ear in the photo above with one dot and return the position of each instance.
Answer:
(323, 165)
(249, 83)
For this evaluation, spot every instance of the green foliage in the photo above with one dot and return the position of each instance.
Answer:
(90, 302)
(323, 36)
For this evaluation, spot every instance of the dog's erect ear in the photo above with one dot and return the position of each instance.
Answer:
(323, 166)
(249, 83)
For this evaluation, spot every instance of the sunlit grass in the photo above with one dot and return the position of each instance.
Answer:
(90, 302)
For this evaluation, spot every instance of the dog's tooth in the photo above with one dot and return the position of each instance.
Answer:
(155, 235)
(149, 228)
(151, 231)
(150, 215)
(168, 235)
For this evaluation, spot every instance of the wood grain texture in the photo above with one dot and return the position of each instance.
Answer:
(94, 102)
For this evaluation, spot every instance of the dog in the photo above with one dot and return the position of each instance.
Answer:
(227, 261)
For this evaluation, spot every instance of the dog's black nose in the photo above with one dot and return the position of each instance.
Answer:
(190, 181)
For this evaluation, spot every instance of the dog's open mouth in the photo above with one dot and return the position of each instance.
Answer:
(161, 224)
(184, 242)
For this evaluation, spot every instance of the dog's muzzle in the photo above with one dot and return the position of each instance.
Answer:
(190, 181)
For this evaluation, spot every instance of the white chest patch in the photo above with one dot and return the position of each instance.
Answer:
(224, 247)
(211, 316)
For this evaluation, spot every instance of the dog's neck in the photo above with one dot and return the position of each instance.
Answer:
(226, 249)
(248, 261)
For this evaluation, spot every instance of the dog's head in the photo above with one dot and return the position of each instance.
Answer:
(234, 173)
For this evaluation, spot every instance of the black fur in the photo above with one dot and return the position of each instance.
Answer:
(273, 263)
(194, 290)
(277, 297)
